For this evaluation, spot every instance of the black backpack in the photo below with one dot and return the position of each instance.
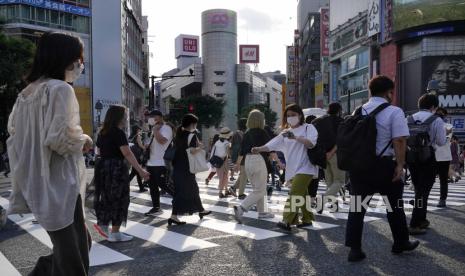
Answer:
(356, 141)
(419, 149)
(317, 154)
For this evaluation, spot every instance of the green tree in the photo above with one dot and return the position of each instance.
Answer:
(270, 115)
(208, 109)
(16, 55)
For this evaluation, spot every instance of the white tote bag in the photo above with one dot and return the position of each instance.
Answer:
(197, 161)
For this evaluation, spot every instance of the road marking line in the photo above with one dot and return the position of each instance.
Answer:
(7, 268)
(98, 255)
(166, 238)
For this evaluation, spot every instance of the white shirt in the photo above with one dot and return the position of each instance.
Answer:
(45, 150)
(220, 149)
(295, 153)
(157, 150)
(390, 124)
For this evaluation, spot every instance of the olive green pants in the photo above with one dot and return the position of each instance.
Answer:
(297, 201)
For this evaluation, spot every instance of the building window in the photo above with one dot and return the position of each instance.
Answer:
(219, 73)
(219, 95)
(219, 83)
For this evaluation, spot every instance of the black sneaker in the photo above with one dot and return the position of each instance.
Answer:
(154, 212)
(356, 255)
(232, 191)
(408, 246)
(242, 196)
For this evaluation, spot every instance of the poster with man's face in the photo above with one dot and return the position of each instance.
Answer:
(449, 71)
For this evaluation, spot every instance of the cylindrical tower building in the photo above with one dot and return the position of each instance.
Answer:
(219, 55)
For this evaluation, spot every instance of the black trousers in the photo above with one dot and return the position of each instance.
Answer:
(313, 187)
(71, 246)
(139, 179)
(423, 176)
(442, 168)
(157, 178)
(364, 185)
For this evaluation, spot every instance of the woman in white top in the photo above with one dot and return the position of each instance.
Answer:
(221, 149)
(45, 148)
(294, 141)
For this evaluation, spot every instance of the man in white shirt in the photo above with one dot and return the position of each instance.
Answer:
(386, 178)
(443, 157)
(424, 174)
(161, 137)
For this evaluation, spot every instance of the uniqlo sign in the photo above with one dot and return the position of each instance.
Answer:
(249, 54)
(189, 45)
(186, 46)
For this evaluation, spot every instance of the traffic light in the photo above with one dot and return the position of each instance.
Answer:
(190, 108)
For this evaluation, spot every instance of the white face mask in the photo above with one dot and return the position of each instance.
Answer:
(151, 121)
(73, 74)
(293, 121)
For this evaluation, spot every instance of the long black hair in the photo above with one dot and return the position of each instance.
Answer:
(134, 130)
(55, 52)
(113, 118)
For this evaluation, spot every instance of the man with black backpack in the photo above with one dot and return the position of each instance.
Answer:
(327, 132)
(371, 146)
(426, 130)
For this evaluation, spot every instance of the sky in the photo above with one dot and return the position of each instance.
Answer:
(269, 23)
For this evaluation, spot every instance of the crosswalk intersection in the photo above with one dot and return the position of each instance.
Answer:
(213, 231)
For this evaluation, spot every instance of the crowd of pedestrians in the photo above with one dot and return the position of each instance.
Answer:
(46, 147)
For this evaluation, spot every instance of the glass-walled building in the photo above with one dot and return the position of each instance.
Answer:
(31, 19)
(353, 78)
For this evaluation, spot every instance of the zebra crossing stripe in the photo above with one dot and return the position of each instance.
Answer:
(165, 238)
(229, 227)
(6, 268)
(98, 255)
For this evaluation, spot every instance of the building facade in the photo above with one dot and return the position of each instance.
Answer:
(349, 49)
(309, 49)
(120, 55)
(31, 19)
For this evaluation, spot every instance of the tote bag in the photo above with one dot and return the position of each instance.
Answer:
(197, 161)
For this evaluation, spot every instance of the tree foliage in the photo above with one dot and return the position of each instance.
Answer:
(15, 60)
(270, 115)
(208, 109)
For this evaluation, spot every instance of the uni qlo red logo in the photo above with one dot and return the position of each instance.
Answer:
(189, 45)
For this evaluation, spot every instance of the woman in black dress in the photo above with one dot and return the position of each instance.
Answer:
(186, 198)
(111, 175)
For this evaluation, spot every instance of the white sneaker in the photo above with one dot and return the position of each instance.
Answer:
(238, 212)
(265, 215)
(3, 218)
(119, 237)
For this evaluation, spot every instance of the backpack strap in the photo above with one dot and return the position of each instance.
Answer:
(430, 119)
(410, 120)
(380, 108)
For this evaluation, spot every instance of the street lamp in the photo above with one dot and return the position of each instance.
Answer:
(164, 77)
(98, 106)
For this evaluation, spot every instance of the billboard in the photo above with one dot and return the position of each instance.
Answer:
(187, 45)
(249, 54)
(219, 20)
(449, 71)
(374, 12)
(51, 5)
(324, 32)
(319, 97)
(412, 13)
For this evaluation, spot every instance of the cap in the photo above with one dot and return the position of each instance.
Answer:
(432, 85)
(155, 112)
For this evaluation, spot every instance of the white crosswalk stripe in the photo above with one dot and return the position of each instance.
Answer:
(220, 222)
(6, 268)
(99, 254)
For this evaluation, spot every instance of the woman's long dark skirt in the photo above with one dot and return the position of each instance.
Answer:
(111, 200)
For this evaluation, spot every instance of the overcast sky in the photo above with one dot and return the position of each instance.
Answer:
(269, 23)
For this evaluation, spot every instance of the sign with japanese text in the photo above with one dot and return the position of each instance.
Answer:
(51, 5)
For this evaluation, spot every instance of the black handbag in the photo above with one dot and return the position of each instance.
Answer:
(170, 152)
(216, 161)
(146, 154)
